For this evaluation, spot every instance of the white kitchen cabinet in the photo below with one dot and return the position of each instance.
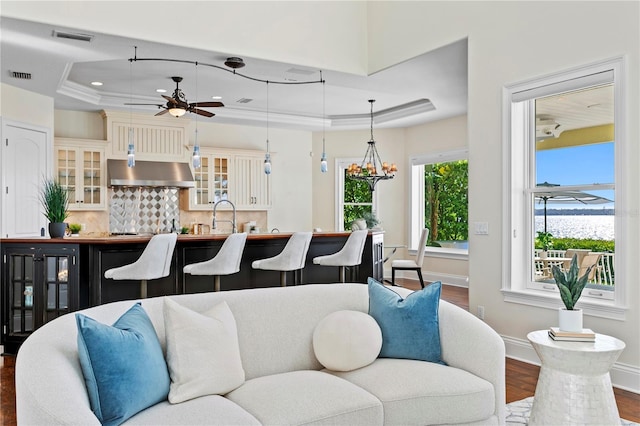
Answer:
(253, 186)
(80, 168)
(228, 174)
(213, 179)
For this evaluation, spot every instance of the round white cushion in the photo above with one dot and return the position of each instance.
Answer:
(347, 340)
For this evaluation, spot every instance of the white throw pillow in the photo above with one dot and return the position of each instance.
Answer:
(347, 340)
(203, 354)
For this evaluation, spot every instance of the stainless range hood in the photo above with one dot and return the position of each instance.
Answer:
(150, 173)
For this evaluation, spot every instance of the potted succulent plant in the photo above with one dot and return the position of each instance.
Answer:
(570, 286)
(55, 200)
(75, 228)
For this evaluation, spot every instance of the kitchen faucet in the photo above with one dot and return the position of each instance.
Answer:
(233, 222)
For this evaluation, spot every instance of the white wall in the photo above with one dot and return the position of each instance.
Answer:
(510, 42)
(25, 106)
(79, 124)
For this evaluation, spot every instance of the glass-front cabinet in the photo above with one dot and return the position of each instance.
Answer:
(38, 285)
(212, 180)
(236, 175)
(80, 168)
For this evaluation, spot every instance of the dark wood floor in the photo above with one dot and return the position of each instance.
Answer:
(521, 377)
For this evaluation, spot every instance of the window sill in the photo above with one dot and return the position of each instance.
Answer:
(444, 253)
(542, 299)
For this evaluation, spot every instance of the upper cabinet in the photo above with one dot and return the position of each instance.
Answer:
(253, 186)
(234, 175)
(154, 138)
(213, 179)
(80, 168)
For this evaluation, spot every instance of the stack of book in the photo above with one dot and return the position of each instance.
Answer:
(586, 335)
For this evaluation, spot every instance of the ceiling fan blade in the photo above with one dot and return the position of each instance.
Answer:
(158, 105)
(164, 111)
(171, 100)
(206, 104)
(201, 112)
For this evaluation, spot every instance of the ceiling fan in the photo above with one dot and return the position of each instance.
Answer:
(177, 104)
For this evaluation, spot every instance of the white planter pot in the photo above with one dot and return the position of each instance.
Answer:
(570, 320)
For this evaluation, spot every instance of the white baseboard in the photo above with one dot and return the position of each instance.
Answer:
(449, 279)
(623, 376)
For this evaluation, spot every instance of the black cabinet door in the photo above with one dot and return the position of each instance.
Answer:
(39, 283)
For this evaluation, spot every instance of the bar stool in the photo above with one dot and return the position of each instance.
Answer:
(411, 265)
(349, 255)
(153, 263)
(226, 262)
(291, 258)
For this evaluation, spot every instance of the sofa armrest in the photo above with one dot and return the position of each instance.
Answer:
(470, 344)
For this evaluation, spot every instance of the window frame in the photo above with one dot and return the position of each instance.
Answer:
(417, 201)
(517, 205)
(341, 164)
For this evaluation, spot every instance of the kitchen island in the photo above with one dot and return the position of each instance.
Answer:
(43, 278)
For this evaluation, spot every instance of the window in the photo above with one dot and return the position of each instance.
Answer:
(355, 200)
(565, 145)
(439, 201)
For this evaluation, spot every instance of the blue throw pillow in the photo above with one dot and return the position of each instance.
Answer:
(410, 328)
(123, 365)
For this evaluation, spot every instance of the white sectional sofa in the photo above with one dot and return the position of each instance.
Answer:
(285, 383)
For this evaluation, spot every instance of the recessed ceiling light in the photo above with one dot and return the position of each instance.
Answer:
(216, 97)
(161, 91)
(96, 83)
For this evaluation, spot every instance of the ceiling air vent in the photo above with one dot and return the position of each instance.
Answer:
(244, 100)
(73, 36)
(20, 75)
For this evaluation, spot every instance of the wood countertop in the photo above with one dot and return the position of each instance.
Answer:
(120, 239)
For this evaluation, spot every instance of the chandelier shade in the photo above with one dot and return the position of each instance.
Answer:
(372, 169)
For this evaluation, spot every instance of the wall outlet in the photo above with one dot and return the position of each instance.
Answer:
(481, 312)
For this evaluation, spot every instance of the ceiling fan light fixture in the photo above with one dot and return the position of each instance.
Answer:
(177, 112)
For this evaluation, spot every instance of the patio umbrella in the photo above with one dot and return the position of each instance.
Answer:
(566, 197)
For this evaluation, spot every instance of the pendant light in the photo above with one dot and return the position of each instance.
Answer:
(195, 158)
(267, 156)
(323, 160)
(131, 152)
(372, 170)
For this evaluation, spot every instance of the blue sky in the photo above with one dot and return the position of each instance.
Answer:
(584, 164)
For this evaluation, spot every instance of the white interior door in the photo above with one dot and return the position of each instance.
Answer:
(24, 166)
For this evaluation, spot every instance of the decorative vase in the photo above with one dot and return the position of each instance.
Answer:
(570, 320)
(359, 224)
(57, 230)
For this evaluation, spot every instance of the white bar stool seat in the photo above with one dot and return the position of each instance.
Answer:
(349, 255)
(226, 262)
(291, 258)
(153, 263)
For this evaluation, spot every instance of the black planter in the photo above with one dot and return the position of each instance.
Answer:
(57, 230)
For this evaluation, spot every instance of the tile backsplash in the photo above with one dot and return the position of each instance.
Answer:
(143, 210)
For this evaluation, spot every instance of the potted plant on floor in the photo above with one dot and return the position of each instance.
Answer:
(55, 200)
(570, 286)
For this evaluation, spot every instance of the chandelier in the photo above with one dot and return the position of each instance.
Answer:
(372, 170)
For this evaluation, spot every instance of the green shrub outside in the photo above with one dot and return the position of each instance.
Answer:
(576, 243)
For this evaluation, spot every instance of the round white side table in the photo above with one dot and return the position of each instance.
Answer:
(574, 386)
